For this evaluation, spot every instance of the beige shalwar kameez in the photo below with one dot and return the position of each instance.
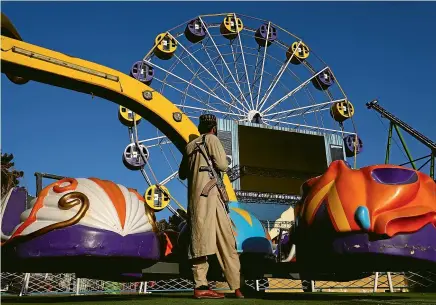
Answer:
(211, 229)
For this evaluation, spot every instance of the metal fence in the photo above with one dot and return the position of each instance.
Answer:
(21, 284)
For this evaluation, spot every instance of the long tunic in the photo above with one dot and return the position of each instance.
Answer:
(202, 210)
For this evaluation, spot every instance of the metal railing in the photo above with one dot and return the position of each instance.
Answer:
(22, 284)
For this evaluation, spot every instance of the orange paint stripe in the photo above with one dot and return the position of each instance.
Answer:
(116, 196)
(169, 246)
(38, 205)
(61, 189)
(140, 198)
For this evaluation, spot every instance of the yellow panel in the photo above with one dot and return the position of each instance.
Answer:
(155, 199)
(300, 51)
(244, 215)
(337, 211)
(340, 111)
(311, 207)
(230, 27)
(126, 118)
(165, 46)
(54, 68)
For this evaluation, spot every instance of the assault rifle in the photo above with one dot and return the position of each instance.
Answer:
(213, 175)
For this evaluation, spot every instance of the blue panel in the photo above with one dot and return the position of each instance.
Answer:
(250, 236)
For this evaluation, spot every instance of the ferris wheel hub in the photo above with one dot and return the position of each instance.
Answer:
(254, 116)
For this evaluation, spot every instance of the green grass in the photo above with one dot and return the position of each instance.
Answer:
(269, 298)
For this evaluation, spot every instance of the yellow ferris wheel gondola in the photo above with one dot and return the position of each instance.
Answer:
(127, 117)
(157, 197)
(300, 52)
(165, 46)
(231, 26)
(341, 111)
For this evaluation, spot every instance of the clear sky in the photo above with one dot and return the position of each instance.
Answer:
(377, 50)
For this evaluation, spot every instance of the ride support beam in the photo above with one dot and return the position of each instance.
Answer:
(432, 161)
(388, 148)
(406, 149)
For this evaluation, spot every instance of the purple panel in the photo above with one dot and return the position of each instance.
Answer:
(321, 237)
(142, 72)
(283, 242)
(134, 162)
(195, 31)
(419, 245)
(394, 176)
(349, 145)
(323, 80)
(79, 240)
(14, 207)
(261, 35)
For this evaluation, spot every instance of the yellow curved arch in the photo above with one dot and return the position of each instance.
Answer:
(47, 66)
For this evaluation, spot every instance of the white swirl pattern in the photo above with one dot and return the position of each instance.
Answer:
(102, 213)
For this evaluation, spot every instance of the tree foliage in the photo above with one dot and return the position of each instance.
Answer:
(172, 223)
(9, 175)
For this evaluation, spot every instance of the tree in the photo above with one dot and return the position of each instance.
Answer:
(9, 175)
(173, 223)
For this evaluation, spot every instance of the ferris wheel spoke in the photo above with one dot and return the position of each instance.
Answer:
(228, 108)
(152, 139)
(171, 69)
(213, 61)
(263, 66)
(237, 100)
(198, 62)
(222, 58)
(185, 95)
(291, 93)
(208, 103)
(158, 144)
(195, 76)
(187, 82)
(169, 178)
(217, 111)
(317, 128)
(301, 110)
(276, 80)
(235, 63)
(211, 108)
(146, 178)
(245, 66)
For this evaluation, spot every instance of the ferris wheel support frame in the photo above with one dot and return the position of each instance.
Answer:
(33, 62)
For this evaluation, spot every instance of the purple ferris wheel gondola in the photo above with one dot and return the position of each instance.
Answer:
(350, 147)
(195, 30)
(261, 35)
(323, 80)
(142, 72)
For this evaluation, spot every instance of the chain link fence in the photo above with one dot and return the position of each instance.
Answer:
(21, 284)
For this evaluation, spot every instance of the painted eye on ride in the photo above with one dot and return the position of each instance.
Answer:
(394, 176)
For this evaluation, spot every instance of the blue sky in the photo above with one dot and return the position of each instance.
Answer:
(376, 50)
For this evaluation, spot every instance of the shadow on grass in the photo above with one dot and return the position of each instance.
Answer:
(334, 296)
(317, 296)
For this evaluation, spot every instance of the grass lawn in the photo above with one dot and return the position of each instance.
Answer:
(269, 298)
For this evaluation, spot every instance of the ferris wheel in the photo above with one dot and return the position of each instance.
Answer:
(241, 69)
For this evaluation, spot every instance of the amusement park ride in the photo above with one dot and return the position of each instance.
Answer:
(347, 220)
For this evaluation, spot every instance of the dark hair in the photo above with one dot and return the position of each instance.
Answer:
(206, 127)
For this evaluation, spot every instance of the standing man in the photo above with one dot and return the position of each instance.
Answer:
(211, 230)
